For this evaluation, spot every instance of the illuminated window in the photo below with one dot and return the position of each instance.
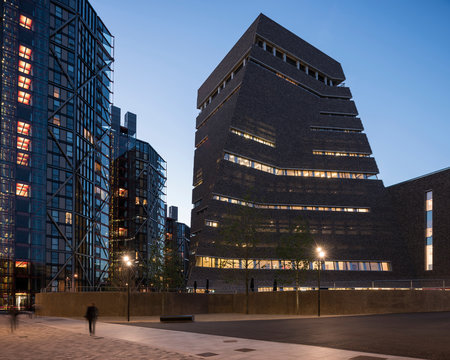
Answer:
(25, 22)
(23, 143)
(211, 223)
(429, 230)
(56, 120)
(123, 192)
(25, 52)
(22, 190)
(88, 135)
(295, 172)
(56, 92)
(23, 128)
(22, 264)
(24, 67)
(24, 98)
(24, 82)
(22, 159)
(68, 218)
(123, 232)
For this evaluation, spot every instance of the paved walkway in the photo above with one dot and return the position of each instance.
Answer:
(58, 338)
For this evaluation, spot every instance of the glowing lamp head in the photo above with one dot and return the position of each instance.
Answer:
(321, 254)
(128, 263)
(126, 258)
(319, 249)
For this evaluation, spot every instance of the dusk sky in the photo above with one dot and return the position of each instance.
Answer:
(395, 55)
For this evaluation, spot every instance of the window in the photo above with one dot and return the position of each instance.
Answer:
(23, 128)
(211, 223)
(123, 192)
(23, 143)
(22, 159)
(429, 230)
(24, 98)
(25, 22)
(24, 67)
(123, 231)
(22, 190)
(24, 52)
(24, 82)
(68, 218)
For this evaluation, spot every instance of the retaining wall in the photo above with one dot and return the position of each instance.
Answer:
(332, 303)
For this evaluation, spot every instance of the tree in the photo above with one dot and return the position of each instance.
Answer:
(296, 246)
(239, 231)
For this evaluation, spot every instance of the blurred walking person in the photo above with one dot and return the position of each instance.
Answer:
(13, 318)
(91, 316)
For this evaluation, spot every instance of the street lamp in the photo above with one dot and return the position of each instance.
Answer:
(127, 262)
(320, 255)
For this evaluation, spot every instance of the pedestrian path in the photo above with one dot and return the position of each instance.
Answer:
(193, 345)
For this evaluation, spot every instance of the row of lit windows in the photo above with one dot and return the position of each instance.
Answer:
(275, 264)
(252, 137)
(23, 97)
(333, 129)
(293, 61)
(429, 230)
(289, 207)
(296, 172)
(211, 223)
(224, 84)
(339, 153)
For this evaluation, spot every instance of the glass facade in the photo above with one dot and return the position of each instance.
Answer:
(55, 126)
(429, 230)
(138, 202)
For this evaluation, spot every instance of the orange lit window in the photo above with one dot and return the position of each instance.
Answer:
(123, 232)
(21, 264)
(56, 120)
(22, 159)
(22, 190)
(24, 52)
(24, 82)
(123, 192)
(24, 67)
(23, 128)
(23, 143)
(24, 98)
(25, 22)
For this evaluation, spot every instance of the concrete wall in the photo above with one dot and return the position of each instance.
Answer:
(332, 303)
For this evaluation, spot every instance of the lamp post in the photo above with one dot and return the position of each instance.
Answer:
(320, 255)
(127, 262)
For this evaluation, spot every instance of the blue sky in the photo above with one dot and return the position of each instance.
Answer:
(395, 55)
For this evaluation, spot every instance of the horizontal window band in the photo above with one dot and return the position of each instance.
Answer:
(340, 153)
(329, 174)
(324, 128)
(249, 136)
(282, 264)
(295, 207)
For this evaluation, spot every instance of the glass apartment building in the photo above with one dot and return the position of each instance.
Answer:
(138, 204)
(57, 59)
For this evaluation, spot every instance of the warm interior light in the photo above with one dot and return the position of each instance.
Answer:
(23, 128)
(24, 52)
(22, 190)
(26, 22)
(24, 97)
(22, 159)
(23, 143)
(24, 67)
(24, 82)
